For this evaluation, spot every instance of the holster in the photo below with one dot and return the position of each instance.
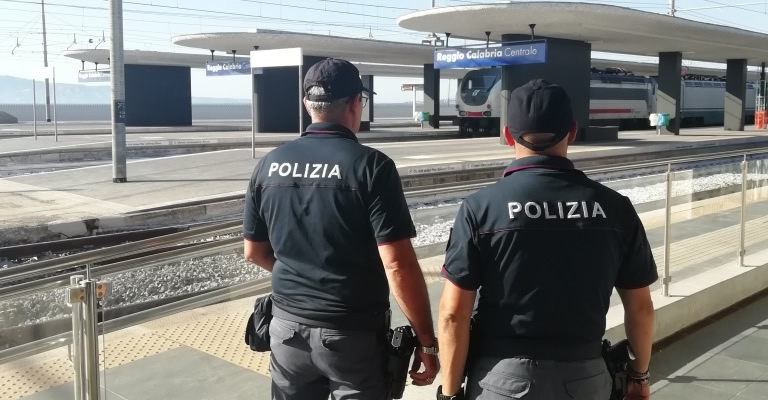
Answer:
(616, 358)
(401, 346)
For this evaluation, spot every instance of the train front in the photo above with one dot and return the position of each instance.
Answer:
(477, 102)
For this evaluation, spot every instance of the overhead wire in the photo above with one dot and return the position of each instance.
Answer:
(379, 27)
(369, 5)
(213, 14)
(318, 9)
(738, 6)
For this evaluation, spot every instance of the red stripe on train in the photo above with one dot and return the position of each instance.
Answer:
(474, 113)
(610, 110)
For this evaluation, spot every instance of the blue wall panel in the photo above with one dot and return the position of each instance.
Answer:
(158, 96)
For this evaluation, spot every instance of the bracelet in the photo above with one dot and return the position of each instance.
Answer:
(637, 376)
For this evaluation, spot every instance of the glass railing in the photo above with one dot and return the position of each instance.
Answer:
(170, 325)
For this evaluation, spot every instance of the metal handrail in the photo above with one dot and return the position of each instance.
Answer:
(58, 281)
(91, 257)
(259, 286)
(28, 271)
(677, 161)
(253, 288)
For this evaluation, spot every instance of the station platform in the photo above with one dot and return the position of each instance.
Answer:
(200, 354)
(72, 128)
(88, 192)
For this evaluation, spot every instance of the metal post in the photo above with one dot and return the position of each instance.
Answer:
(413, 89)
(301, 101)
(77, 339)
(34, 109)
(667, 225)
(45, 64)
(254, 115)
(90, 321)
(672, 7)
(55, 120)
(743, 222)
(117, 75)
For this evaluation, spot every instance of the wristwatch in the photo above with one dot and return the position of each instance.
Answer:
(433, 350)
(458, 396)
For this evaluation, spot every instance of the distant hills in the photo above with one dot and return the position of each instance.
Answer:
(19, 91)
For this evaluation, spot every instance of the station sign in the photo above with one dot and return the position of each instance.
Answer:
(409, 87)
(224, 68)
(93, 76)
(277, 58)
(479, 57)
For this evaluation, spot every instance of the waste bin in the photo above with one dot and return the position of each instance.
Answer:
(423, 117)
(658, 120)
(663, 119)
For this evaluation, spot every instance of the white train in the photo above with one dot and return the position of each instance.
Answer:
(622, 100)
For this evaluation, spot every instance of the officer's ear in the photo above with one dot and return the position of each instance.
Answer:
(508, 136)
(355, 102)
(572, 132)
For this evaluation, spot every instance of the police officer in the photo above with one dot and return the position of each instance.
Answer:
(543, 247)
(327, 216)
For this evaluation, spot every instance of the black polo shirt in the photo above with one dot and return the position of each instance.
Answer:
(325, 202)
(545, 246)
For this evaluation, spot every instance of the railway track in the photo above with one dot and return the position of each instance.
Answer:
(169, 247)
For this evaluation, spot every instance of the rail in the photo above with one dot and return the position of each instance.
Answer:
(27, 271)
(260, 286)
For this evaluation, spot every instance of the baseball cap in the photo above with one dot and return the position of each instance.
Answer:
(339, 78)
(539, 107)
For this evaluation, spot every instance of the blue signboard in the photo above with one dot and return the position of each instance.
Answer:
(93, 76)
(223, 68)
(508, 54)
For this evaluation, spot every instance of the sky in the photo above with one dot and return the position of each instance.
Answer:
(151, 24)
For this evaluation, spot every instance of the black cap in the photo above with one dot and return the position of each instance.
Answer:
(339, 78)
(539, 107)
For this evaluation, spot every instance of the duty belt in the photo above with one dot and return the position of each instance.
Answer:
(538, 350)
(346, 322)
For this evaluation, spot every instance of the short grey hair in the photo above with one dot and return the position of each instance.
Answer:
(326, 109)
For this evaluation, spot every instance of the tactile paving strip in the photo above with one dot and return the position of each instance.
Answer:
(25, 377)
(34, 374)
(129, 349)
(432, 268)
(218, 331)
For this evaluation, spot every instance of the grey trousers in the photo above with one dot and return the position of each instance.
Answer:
(310, 363)
(493, 378)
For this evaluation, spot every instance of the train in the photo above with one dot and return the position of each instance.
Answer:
(617, 98)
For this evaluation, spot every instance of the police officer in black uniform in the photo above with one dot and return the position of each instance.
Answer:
(327, 216)
(543, 248)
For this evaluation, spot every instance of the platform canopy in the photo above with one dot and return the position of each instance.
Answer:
(143, 57)
(608, 28)
(191, 60)
(361, 50)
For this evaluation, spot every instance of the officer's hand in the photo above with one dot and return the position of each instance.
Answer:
(638, 390)
(431, 368)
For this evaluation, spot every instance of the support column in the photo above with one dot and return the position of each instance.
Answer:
(668, 93)
(735, 95)
(568, 65)
(365, 125)
(432, 94)
(277, 99)
(157, 95)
